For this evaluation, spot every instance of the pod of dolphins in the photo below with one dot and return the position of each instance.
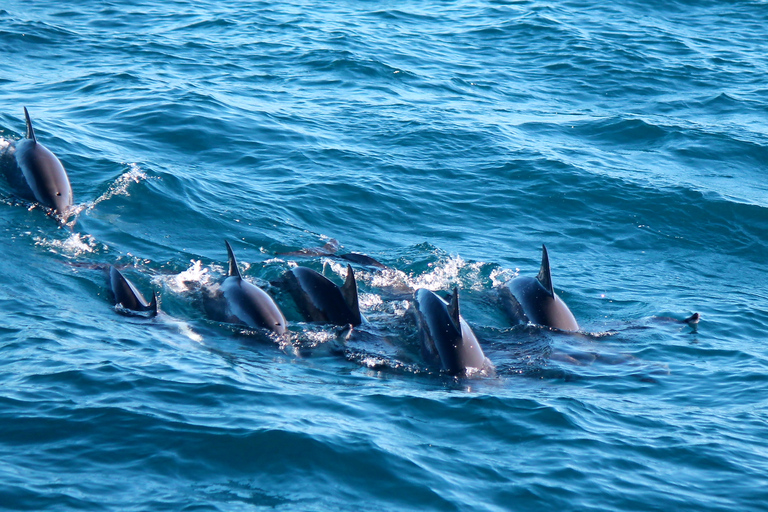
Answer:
(447, 341)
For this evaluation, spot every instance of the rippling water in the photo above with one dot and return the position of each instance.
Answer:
(449, 140)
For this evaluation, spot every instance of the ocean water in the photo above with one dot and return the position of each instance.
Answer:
(449, 140)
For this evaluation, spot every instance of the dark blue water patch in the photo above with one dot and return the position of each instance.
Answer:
(30, 37)
(626, 133)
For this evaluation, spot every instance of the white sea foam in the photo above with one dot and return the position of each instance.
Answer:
(442, 275)
(186, 330)
(499, 276)
(73, 246)
(369, 300)
(192, 278)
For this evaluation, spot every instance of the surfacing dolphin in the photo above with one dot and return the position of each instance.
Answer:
(447, 341)
(321, 300)
(330, 250)
(36, 174)
(533, 299)
(237, 301)
(127, 297)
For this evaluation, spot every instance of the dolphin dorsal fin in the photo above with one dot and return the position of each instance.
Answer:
(153, 304)
(545, 275)
(349, 292)
(233, 270)
(30, 130)
(453, 309)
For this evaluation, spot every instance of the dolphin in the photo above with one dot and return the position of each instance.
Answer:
(362, 259)
(330, 250)
(237, 301)
(125, 295)
(321, 300)
(447, 341)
(533, 299)
(692, 320)
(36, 174)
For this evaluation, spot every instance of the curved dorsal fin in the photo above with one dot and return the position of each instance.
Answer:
(233, 270)
(153, 304)
(349, 292)
(545, 275)
(30, 130)
(453, 309)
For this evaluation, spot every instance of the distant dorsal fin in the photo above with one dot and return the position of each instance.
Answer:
(349, 292)
(233, 270)
(153, 304)
(545, 275)
(30, 130)
(453, 309)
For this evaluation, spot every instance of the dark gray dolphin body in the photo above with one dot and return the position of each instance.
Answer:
(447, 341)
(692, 320)
(125, 295)
(330, 250)
(237, 301)
(36, 174)
(533, 299)
(321, 300)
(362, 259)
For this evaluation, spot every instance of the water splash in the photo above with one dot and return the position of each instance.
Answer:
(451, 272)
(120, 186)
(188, 280)
(499, 276)
(74, 246)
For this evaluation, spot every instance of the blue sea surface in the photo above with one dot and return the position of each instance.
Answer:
(448, 140)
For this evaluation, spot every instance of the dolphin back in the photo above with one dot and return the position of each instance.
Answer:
(447, 341)
(237, 301)
(319, 299)
(127, 296)
(527, 299)
(246, 304)
(42, 171)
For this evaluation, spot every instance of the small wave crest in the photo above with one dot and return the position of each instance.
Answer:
(119, 187)
(74, 246)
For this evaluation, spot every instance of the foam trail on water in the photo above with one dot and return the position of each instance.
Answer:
(73, 246)
(121, 184)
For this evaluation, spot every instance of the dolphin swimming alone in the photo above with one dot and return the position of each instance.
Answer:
(237, 301)
(129, 299)
(35, 173)
(533, 300)
(321, 300)
(447, 341)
